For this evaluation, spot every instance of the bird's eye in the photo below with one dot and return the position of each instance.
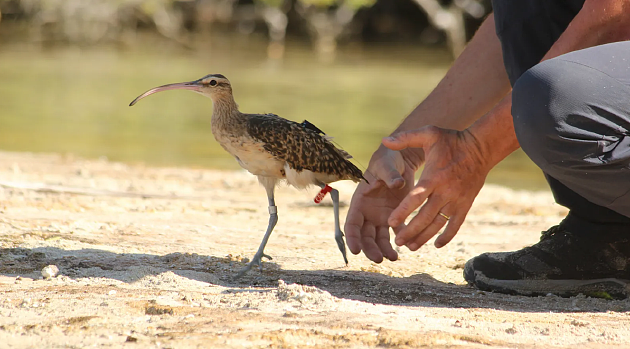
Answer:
(213, 82)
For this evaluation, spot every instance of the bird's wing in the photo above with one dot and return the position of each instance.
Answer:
(302, 147)
(308, 125)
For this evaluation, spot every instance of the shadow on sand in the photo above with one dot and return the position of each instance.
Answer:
(416, 290)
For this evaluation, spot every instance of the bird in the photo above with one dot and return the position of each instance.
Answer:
(274, 149)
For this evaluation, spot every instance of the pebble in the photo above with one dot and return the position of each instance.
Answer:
(50, 271)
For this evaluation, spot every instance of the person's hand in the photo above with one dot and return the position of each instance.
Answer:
(453, 175)
(391, 176)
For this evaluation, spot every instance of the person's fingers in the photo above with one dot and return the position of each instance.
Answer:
(390, 175)
(430, 229)
(375, 184)
(385, 171)
(395, 180)
(368, 243)
(454, 223)
(423, 219)
(353, 225)
(420, 138)
(382, 240)
(399, 228)
(449, 233)
(410, 203)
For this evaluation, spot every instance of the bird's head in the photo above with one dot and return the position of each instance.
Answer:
(212, 86)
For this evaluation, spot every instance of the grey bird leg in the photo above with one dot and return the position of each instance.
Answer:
(273, 219)
(334, 194)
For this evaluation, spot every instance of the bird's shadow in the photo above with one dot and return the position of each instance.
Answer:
(416, 290)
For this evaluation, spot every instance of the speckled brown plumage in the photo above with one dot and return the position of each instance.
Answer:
(302, 148)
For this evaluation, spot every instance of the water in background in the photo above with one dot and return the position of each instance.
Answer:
(71, 100)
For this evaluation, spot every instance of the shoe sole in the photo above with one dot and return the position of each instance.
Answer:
(607, 288)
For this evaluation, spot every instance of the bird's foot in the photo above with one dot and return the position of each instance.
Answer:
(341, 244)
(257, 260)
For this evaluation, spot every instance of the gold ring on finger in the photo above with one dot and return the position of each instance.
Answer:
(445, 216)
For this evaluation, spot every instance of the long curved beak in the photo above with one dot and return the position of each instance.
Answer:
(191, 85)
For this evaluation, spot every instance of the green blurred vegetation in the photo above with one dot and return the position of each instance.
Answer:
(69, 68)
(96, 21)
(76, 101)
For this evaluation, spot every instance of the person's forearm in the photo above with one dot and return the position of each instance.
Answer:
(473, 85)
(494, 133)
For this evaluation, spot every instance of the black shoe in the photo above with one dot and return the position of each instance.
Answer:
(565, 262)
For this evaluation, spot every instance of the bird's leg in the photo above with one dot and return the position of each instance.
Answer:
(334, 194)
(273, 219)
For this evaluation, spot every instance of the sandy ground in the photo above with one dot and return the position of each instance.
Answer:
(147, 255)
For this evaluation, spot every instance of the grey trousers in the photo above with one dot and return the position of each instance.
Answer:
(572, 118)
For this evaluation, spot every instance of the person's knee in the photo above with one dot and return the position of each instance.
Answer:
(533, 123)
(542, 100)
